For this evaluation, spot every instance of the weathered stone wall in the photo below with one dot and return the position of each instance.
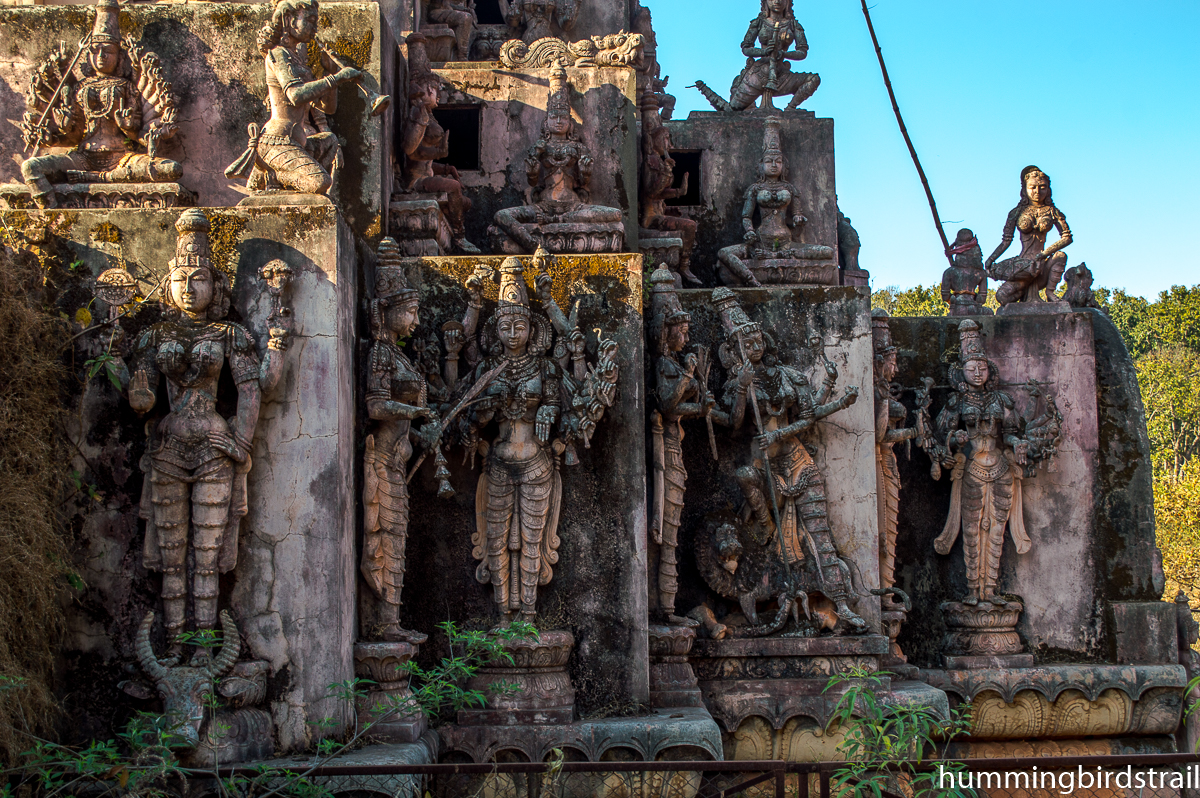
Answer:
(513, 108)
(210, 55)
(844, 442)
(292, 591)
(1061, 581)
(598, 590)
(731, 147)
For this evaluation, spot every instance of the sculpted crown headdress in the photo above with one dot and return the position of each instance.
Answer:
(559, 101)
(514, 297)
(970, 342)
(772, 145)
(192, 247)
(391, 277)
(419, 69)
(107, 27)
(733, 317)
(664, 302)
(881, 332)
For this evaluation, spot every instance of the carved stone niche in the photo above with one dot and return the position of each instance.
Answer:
(385, 665)
(419, 225)
(543, 693)
(672, 681)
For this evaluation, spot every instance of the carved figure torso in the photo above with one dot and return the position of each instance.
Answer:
(286, 69)
(525, 384)
(559, 171)
(777, 204)
(774, 35)
(394, 378)
(112, 113)
(433, 144)
(541, 17)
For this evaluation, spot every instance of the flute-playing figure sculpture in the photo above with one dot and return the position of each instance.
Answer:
(558, 171)
(770, 253)
(985, 444)
(1038, 266)
(114, 107)
(785, 510)
(539, 411)
(681, 393)
(296, 151)
(397, 396)
(197, 461)
(773, 39)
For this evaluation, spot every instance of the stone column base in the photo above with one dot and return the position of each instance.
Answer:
(672, 681)
(544, 693)
(983, 636)
(386, 665)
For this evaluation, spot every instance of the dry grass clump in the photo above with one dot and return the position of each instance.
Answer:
(33, 469)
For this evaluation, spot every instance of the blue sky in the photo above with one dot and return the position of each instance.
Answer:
(1103, 96)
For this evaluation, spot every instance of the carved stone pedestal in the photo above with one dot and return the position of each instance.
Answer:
(672, 681)
(856, 277)
(102, 195)
(278, 199)
(1033, 308)
(895, 661)
(778, 678)
(661, 250)
(566, 238)
(820, 269)
(983, 636)
(418, 222)
(543, 695)
(385, 664)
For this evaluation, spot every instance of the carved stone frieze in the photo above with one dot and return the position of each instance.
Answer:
(1051, 680)
(618, 49)
(101, 195)
(1030, 715)
(785, 657)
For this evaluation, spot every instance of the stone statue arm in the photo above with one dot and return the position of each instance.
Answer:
(750, 47)
(143, 383)
(947, 288)
(881, 415)
(796, 215)
(1006, 239)
(675, 382)
(949, 428)
(414, 131)
(322, 92)
(733, 404)
(1064, 231)
(380, 405)
(748, 208)
(544, 285)
(801, 44)
(831, 375)
(248, 373)
(841, 403)
(129, 115)
(583, 177)
(1019, 446)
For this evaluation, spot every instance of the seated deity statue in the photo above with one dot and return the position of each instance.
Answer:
(558, 169)
(770, 251)
(658, 179)
(460, 18)
(965, 284)
(111, 106)
(773, 39)
(1038, 266)
(296, 151)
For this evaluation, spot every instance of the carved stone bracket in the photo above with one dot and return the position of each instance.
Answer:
(420, 226)
(102, 195)
(616, 50)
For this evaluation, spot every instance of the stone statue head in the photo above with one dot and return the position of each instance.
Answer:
(772, 166)
(1038, 182)
(885, 352)
(777, 7)
(195, 286)
(422, 82)
(973, 368)
(104, 43)
(296, 19)
(669, 321)
(395, 308)
(558, 104)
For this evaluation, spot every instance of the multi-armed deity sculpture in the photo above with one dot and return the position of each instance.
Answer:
(558, 171)
(773, 40)
(770, 252)
(785, 511)
(296, 151)
(1038, 266)
(680, 392)
(113, 106)
(197, 461)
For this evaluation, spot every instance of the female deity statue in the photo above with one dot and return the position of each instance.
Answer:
(773, 39)
(295, 150)
(979, 442)
(542, 19)
(785, 493)
(1038, 266)
(397, 396)
(777, 203)
(681, 393)
(424, 141)
(889, 430)
(658, 179)
(117, 105)
(194, 495)
(529, 395)
(558, 170)
(965, 284)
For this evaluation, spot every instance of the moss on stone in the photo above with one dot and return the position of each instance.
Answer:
(226, 232)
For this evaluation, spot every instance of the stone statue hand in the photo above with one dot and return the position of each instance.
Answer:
(690, 364)
(746, 375)
(141, 398)
(768, 439)
(430, 434)
(123, 116)
(543, 286)
(831, 370)
(851, 395)
(347, 74)
(545, 417)
(798, 220)
(750, 237)
(959, 438)
(279, 338)
(454, 340)
(1021, 450)
(576, 343)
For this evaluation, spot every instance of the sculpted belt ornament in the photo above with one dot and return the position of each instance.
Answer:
(988, 473)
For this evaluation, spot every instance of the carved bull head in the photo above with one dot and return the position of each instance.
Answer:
(186, 689)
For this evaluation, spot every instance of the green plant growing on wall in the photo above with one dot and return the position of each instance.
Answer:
(885, 745)
(141, 761)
